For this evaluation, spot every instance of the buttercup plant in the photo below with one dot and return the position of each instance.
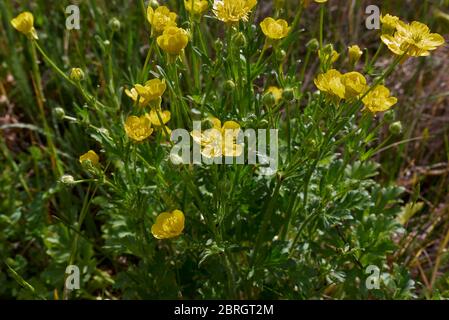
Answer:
(238, 154)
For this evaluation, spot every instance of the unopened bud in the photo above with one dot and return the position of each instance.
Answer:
(288, 94)
(268, 99)
(60, 113)
(396, 128)
(229, 85)
(313, 45)
(115, 24)
(239, 39)
(76, 74)
(67, 179)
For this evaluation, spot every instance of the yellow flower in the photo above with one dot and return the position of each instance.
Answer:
(168, 225)
(173, 40)
(135, 96)
(276, 92)
(331, 83)
(275, 29)
(389, 23)
(154, 119)
(91, 157)
(232, 11)
(355, 84)
(379, 99)
(151, 92)
(138, 128)
(341, 86)
(24, 23)
(161, 18)
(354, 53)
(219, 140)
(413, 40)
(196, 7)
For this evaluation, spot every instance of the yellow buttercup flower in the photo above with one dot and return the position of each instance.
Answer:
(149, 93)
(153, 116)
(138, 128)
(276, 92)
(173, 40)
(90, 157)
(142, 102)
(161, 18)
(152, 90)
(413, 40)
(24, 23)
(354, 83)
(354, 53)
(168, 225)
(219, 140)
(331, 83)
(389, 23)
(341, 86)
(275, 29)
(232, 11)
(379, 99)
(196, 7)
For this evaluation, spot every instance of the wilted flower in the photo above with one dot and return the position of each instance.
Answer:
(275, 29)
(161, 18)
(413, 40)
(219, 140)
(196, 7)
(168, 225)
(24, 23)
(90, 157)
(173, 40)
(232, 11)
(379, 99)
(138, 128)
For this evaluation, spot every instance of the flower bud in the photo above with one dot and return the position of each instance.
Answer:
(268, 99)
(354, 54)
(288, 94)
(280, 55)
(396, 128)
(229, 85)
(239, 39)
(389, 116)
(67, 179)
(218, 44)
(60, 113)
(114, 24)
(76, 74)
(313, 45)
